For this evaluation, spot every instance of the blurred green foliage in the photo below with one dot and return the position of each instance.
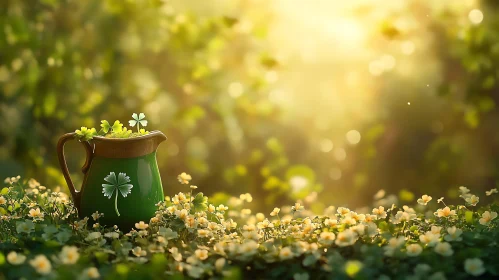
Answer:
(203, 81)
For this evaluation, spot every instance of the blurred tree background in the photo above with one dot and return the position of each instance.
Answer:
(283, 99)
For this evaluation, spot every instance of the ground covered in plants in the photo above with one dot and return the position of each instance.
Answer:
(42, 237)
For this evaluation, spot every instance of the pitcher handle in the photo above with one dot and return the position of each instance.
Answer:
(62, 161)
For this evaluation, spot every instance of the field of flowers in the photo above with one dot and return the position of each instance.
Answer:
(42, 237)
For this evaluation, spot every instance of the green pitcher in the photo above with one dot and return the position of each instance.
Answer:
(121, 178)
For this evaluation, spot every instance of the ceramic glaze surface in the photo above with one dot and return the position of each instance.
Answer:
(138, 205)
(121, 179)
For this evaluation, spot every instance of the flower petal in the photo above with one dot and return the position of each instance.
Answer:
(132, 123)
(135, 117)
(143, 123)
(141, 116)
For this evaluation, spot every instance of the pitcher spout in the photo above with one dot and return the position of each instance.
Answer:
(158, 137)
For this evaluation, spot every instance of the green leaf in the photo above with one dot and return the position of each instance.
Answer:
(117, 126)
(469, 217)
(105, 126)
(200, 202)
(63, 236)
(122, 269)
(309, 260)
(50, 229)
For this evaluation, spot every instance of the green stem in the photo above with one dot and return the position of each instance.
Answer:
(116, 203)
(138, 127)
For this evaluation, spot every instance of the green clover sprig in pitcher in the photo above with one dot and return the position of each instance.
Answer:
(117, 161)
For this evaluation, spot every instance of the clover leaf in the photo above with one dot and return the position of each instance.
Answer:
(105, 126)
(119, 184)
(200, 203)
(138, 121)
(117, 126)
(85, 134)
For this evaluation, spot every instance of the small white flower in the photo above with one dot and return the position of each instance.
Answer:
(275, 212)
(429, 238)
(184, 178)
(331, 222)
(222, 208)
(141, 225)
(343, 211)
(91, 272)
(413, 250)
(379, 212)
(93, 235)
(201, 254)
(474, 266)
(41, 264)
(15, 258)
(435, 230)
(138, 252)
(445, 212)
(463, 190)
(36, 214)
(297, 207)
(285, 253)
(424, 199)
(175, 254)
(113, 235)
(444, 249)
(492, 191)
(346, 238)
(487, 217)
(454, 234)
(472, 200)
(393, 245)
(96, 215)
(204, 233)
(327, 238)
(69, 255)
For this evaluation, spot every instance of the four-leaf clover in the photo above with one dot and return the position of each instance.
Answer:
(119, 184)
(138, 121)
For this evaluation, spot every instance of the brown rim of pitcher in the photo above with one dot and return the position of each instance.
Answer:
(116, 147)
(127, 147)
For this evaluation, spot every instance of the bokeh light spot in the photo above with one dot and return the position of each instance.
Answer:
(475, 16)
(407, 47)
(235, 89)
(298, 182)
(340, 154)
(353, 137)
(326, 145)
